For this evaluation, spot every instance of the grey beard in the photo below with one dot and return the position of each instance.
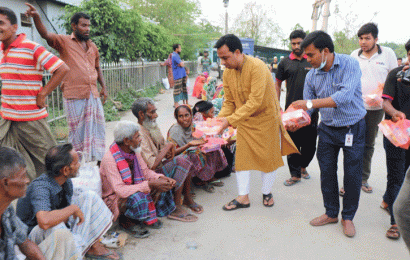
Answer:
(154, 131)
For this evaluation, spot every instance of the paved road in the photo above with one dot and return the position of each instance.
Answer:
(281, 232)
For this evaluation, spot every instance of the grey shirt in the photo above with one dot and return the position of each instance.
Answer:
(13, 232)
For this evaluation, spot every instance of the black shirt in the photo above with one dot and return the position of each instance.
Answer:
(294, 72)
(398, 92)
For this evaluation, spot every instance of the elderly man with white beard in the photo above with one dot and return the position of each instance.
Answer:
(135, 193)
(158, 154)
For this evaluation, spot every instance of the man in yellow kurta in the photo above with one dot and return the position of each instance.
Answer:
(251, 105)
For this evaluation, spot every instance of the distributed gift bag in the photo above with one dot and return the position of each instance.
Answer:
(398, 132)
(375, 99)
(298, 116)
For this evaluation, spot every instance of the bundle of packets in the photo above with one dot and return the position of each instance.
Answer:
(298, 116)
(398, 133)
(374, 99)
(208, 130)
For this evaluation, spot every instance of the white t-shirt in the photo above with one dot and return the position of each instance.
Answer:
(375, 70)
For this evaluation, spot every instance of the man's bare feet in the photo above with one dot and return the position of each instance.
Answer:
(195, 207)
(181, 214)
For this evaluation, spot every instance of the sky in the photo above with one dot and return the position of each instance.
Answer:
(392, 17)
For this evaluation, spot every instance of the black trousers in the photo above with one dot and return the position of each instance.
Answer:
(305, 141)
(229, 157)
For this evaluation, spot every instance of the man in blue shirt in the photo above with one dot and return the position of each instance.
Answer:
(180, 79)
(334, 87)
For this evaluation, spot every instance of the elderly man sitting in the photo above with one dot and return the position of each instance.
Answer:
(134, 192)
(51, 205)
(13, 185)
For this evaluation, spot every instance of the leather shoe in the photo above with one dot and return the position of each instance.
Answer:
(348, 228)
(323, 220)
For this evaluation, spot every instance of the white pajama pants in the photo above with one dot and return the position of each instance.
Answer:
(243, 181)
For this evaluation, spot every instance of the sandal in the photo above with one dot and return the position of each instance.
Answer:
(198, 209)
(137, 231)
(385, 206)
(305, 175)
(290, 182)
(208, 188)
(267, 198)
(366, 188)
(156, 225)
(393, 232)
(184, 217)
(103, 256)
(237, 205)
(217, 183)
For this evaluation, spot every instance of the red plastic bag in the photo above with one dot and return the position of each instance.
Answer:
(297, 116)
(375, 99)
(397, 133)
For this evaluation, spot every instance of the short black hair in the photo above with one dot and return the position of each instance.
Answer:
(231, 41)
(297, 34)
(175, 46)
(206, 52)
(77, 16)
(368, 28)
(9, 13)
(407, 46)
(320, 40)
(202, 106)
(57, 158)
(399, 58)
(179, 108)
(10, 161)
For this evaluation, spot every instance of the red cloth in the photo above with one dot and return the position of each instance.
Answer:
(198, 86)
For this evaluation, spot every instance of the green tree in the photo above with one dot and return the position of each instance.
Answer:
(397, 48)
(121, 33)
(255, 21)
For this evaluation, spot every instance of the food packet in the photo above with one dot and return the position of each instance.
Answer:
(297, 116)
(375, 99)
(398, 133)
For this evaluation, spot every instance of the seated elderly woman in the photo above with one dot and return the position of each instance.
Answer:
(134, 192)
(207, 164)
(202, 111)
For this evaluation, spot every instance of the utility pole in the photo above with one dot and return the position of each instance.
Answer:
(318, 7)
(226, 3)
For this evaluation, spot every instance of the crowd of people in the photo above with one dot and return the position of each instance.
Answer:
(145, 176)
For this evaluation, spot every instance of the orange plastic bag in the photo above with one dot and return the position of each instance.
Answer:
(375, 99)
(297, 116)
(397, 133)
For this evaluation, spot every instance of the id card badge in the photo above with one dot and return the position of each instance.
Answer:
(349, 139)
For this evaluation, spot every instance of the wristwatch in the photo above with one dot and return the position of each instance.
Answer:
(309, 104)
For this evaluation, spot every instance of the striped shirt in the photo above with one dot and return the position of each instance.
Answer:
(342, 83)
(21, 72)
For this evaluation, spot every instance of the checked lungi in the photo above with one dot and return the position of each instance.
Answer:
(138, 205)
(85, 118)
(180, 89)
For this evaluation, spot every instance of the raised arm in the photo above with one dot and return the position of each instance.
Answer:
(42, 30)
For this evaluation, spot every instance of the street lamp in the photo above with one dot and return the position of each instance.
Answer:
(226, 3)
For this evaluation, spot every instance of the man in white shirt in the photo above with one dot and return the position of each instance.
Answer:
(375, 63)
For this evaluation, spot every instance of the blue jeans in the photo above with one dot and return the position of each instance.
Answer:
(397, 160)
(331, 140)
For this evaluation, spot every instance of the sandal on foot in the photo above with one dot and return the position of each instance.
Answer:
(290, 182)
(237, 205)
(267, 198)
(305, 175)
(342, 192)
(208, 188)
(217, 183)
(137, 231)
(156, 225)
(393, 233)
(366, 188)
(385, 206)
(184, 217)
(196, 208)
(103, 256)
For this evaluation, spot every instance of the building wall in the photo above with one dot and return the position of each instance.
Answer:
(49, 9)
